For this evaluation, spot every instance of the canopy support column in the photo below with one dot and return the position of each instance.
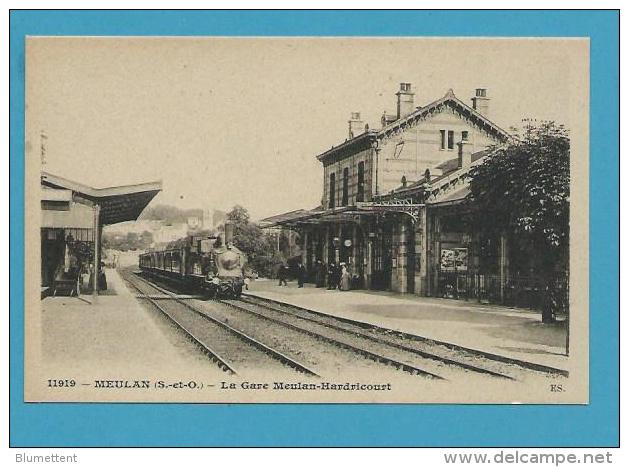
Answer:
(96, 251)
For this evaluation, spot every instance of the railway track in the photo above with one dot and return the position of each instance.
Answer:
(406, 359)
(447, 353)
(359, 335)
(385, 347)
(370, 354)
(227, 346)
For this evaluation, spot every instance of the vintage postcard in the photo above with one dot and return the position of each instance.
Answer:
(312, 220)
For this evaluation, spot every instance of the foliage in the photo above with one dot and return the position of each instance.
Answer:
(130, 241)
(254, 242)
(525, 186)
(238, 215)
(523, 190)
(266, 265)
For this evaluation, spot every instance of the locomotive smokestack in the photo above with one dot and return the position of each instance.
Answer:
(229, 232)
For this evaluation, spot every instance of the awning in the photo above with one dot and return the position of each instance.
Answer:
(117, 204)
(58, 195)
(456, 196)
(342, 214)
(279, 219)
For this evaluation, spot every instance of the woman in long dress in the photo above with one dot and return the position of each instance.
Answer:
(345, 278)
(321, 272)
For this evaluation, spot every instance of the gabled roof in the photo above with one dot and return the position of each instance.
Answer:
(451, 100)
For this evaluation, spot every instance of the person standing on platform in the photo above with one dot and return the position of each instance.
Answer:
(344, 283)
(281, 275)
(338, 270)
(321, 272)
(102, 278)
(301, 275)
(332, 276)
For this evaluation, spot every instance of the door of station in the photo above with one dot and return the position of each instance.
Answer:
(381, 259)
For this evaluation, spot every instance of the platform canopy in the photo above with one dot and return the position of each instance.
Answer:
(454, 196)
(117, 204)
(342, 214)
(288, 218)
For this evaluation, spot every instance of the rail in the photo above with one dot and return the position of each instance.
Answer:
(247, 338)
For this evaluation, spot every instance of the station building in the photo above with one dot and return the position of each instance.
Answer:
(393, 202)
(72, 219)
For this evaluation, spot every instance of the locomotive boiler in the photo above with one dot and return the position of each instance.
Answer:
(205, 264)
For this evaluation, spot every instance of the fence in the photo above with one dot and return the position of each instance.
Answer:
(520, 291)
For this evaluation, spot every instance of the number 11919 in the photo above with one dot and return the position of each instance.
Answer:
(61, 383)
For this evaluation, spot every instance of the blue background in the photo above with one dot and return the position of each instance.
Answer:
(342, 425)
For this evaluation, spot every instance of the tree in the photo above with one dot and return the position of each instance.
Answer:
(238, 215)
(523, 189)
(253, 241)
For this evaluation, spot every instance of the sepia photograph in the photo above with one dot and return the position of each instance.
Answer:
(307, 220)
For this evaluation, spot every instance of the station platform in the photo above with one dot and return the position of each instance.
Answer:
(111, 334)
(508, 332)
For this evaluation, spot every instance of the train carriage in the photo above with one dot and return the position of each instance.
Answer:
(205, 264)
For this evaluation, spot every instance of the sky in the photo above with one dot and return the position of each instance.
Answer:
(225, 121)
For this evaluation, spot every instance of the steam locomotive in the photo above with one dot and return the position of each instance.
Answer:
(205, 264)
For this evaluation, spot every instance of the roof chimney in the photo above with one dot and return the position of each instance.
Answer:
(480, 102)
(405, 100)
(465, 151)
(356, 125)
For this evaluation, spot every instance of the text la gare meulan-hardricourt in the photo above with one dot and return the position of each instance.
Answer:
(299, 386)
(246, 385)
